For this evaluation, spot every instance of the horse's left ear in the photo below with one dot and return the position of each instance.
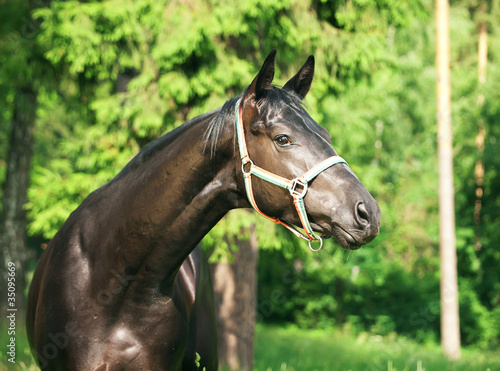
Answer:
(301, 82)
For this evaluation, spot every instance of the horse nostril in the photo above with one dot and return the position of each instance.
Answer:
(362, 214)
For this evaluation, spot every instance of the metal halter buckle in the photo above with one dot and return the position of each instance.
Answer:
(293, 189)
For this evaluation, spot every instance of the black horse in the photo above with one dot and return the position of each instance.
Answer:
(123, 286)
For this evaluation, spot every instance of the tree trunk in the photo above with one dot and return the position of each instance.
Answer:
(482, 60)
(450, 324)
(482, 51)
(235, 287)
(13, 219)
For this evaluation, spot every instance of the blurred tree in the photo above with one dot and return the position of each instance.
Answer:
(20, 69)
(13, 219)
(450, 323)
(235, 286)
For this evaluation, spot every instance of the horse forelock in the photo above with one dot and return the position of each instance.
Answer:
(277, 98)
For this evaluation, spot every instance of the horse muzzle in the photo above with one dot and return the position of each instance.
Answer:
(364, 226)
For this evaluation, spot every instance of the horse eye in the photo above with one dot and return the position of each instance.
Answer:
(283, 140)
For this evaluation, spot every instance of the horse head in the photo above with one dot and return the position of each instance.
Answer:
(283, 145)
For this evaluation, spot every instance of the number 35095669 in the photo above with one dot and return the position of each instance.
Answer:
(11, 282)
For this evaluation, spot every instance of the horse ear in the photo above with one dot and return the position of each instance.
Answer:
(262, 82)
(301, 82)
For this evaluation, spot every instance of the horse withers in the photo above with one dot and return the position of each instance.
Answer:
(123, 285)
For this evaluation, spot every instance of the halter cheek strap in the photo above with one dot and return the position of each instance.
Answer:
(297, 187)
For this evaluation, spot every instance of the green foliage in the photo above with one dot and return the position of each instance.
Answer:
(476, 323)
(113, 75)
(360, 291)
(197, 362)
(385, 126)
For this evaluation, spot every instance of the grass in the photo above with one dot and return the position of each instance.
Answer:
(292, 349)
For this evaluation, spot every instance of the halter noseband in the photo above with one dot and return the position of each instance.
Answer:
(297, 187)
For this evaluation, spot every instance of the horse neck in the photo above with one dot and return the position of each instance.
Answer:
(167, 199)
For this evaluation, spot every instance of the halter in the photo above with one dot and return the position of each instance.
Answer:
(297, 187)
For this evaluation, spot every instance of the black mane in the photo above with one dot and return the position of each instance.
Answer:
(214, 131)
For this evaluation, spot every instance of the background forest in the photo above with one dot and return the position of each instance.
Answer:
(94, 81)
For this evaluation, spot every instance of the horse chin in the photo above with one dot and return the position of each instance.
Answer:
(346, 240)
(343, 237)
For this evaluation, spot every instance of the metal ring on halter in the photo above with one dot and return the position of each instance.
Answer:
(248, 162)
(320, 244)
